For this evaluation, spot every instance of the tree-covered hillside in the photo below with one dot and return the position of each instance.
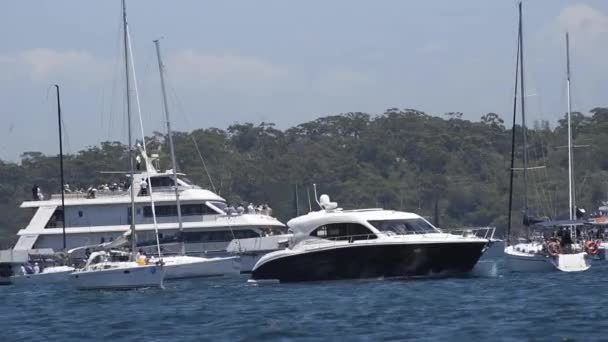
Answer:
(402, 159)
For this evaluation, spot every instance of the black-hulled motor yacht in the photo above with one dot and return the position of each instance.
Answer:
(334, 244)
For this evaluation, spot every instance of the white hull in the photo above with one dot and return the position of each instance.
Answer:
(127, 277)
(528, 262)
(180, 267)
(43, 278)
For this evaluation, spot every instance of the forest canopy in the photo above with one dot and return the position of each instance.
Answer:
(401, 159)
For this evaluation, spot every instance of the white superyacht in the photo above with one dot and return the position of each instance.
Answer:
(208, 226)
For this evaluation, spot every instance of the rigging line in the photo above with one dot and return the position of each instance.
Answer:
(143, 136)
(185, 116)
(546, 192)
(146, 81)
(113, 83)
(537, 179)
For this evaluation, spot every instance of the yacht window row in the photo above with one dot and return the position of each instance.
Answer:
(186, 209)
(343, 231)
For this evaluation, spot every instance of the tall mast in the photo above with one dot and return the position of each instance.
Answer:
(61, 169)
(131, 168)
(171, 146)
(523, 107)
(512, 169)
(570, 166)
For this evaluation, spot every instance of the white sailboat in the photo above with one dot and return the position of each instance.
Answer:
(54, 273)
(183, 266)
(107, 270)
(538, 254)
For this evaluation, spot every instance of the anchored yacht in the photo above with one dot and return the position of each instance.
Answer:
(103, 216)
(333, 244)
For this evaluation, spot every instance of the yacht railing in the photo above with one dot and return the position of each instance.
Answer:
(480, 232)
(84, 195)
(486, 233)
(104, 193)
(337, 239)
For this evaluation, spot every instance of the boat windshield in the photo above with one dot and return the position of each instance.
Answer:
(220, 205)
(403, 227)
(186, 180)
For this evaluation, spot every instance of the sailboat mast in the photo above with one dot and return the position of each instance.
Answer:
(171, 146)
(523, 107)
(131, 168)
(570, 166)
(61, 169)
(512, 169)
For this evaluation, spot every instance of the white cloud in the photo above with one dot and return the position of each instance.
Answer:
(42, 65)
(588, 28)
(583, 18)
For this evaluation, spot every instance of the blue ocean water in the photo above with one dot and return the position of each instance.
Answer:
(504, 307)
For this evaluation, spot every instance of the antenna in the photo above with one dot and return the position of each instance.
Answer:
(309, 202)
(314, 186)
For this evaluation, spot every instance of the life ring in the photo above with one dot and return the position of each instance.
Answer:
(591, 247)
(553, 248)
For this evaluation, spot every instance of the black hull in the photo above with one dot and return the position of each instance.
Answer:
(373, 261)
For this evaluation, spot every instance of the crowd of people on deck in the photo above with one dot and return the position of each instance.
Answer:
(89, 191)
(250, 208)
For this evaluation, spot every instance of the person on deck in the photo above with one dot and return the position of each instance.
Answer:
(144, 187)
(141, 257)
(36, 268)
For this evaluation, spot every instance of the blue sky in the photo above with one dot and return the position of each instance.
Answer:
(286, 62)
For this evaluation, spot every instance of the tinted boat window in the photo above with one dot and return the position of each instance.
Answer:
(161, 182)
(219, 235)
(401, 227)
(343, 231)
(171, 210)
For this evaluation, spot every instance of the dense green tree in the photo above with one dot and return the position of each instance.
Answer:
(401, 159)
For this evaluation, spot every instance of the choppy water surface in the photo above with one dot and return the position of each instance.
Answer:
(551, 306)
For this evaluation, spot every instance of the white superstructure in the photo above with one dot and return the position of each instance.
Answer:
(90, 220)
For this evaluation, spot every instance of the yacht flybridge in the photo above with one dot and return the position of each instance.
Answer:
(333, 244)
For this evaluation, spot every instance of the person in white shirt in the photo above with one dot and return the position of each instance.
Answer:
(144, 187)
(36, 268)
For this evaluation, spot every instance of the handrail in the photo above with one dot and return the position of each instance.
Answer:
(479, 232)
